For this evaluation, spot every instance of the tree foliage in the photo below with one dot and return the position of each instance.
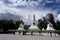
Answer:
(42, 24)
(6, 24)
(58, 25)
(51, 19)
(18, 23)
(9, 24)
(26, 27)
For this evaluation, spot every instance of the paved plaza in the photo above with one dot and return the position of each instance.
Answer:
(27, 37)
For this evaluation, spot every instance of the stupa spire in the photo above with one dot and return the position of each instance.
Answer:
(34, 19)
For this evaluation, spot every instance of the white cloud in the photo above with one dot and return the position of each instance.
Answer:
(24, 12)
(57, 1)
(18, 3)
(27, 13)
(2, 7)
(13, 1)
(58, 17)
(34, 3)
(40, 0)
(50, 1)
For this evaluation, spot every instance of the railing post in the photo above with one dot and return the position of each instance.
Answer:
(24, 33)
(50, 34)
(31, 32)
(19, 33)
(14, 33)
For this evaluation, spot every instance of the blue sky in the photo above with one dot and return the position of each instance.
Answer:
(27, 8)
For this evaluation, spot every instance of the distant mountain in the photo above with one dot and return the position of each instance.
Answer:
(9, 16)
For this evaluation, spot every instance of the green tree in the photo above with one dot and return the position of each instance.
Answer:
(51, 19)
(26, 27)
(11, 25)
(7, 24)
(19, 22)
(42, 23)
(4, 25)
(58, 25)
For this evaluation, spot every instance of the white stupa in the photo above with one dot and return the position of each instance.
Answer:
(50, 26)
(34, 26)
(21, 27)
(43, 29)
